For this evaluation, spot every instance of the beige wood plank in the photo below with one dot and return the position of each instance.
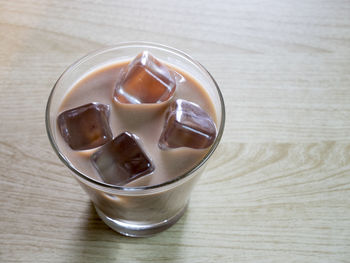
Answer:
(276, 190)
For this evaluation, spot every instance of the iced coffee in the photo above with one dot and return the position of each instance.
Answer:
(132, 125)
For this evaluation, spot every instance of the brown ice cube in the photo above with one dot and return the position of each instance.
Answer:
(187, 125)
(145, 80)
(122, 160)
(85, 127)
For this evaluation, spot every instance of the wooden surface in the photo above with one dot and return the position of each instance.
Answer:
(278, 187)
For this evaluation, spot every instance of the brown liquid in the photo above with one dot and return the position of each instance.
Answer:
(145, 120)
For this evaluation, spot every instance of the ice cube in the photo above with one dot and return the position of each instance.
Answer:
(85, 127)
(187, 125)
(122, 160)
(145, 80)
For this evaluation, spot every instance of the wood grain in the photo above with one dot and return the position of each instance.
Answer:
(278, 187)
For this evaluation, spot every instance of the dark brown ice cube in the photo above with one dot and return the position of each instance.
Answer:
(145, 80)
(85, 127)
(187, 125)
(122, 160)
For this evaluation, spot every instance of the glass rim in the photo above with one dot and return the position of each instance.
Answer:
(179, 178)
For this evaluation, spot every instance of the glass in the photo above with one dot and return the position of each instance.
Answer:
(136, 211)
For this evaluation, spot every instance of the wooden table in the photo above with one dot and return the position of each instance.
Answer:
(278, 187)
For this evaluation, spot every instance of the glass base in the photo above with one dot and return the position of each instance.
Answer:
(133, 230)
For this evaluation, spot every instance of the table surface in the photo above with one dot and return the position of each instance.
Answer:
(277, 188)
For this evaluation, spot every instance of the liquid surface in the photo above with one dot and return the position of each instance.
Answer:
(145, 121)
